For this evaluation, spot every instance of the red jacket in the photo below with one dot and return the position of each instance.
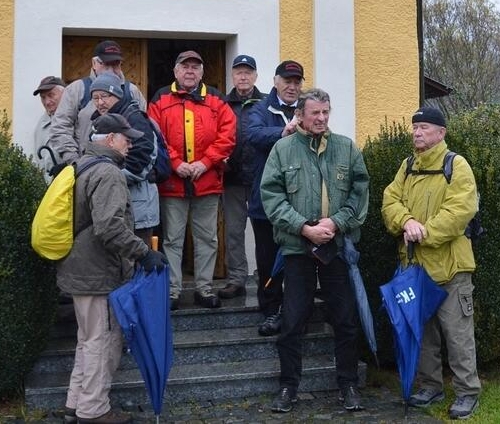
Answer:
(196, 126)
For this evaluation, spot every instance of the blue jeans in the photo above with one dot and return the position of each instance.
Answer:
(301, 276)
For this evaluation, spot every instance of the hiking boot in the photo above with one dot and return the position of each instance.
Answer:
(174, 303)
(109, 417)
(284, 400)
(271, 325)
(232, 290)
(425, 397)
(206, 299)
(69, 415)
(463, 407)
(351, 398)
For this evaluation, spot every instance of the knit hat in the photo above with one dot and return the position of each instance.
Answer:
(109, 83)
(114, 123)
(430, 115)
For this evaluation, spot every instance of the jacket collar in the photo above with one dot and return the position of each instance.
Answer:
(431, 158)
(198, 94)
(94, 149)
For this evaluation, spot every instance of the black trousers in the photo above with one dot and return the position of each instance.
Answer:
(269, 298)
(301, 276)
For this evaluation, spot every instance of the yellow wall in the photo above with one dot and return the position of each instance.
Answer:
(6, 45)
(386, 61)
(297, 35)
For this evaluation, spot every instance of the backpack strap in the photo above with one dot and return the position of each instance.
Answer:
(446, 170)
(87, 82)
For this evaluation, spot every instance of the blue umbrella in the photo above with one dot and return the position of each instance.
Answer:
(278, 266)
(411, 298)
(142, 309)
(351, 257)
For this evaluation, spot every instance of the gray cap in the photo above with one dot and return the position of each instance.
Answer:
(114, 123)
(108, 82)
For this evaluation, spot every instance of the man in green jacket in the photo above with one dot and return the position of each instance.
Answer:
(422, 207)
(314, 191)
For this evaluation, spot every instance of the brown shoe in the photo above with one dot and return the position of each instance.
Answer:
(232, 290)
(109, 417)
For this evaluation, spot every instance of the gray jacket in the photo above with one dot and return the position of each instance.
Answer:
(71, 125)
(105, 247)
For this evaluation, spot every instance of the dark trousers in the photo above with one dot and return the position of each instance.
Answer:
(301, 276)
(269, 298)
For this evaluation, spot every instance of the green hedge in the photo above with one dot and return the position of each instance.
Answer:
(28, 293)
(476, 136)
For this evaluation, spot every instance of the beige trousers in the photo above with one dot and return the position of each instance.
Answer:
(97, 356)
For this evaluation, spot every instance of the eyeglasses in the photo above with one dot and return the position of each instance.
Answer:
(104, 97)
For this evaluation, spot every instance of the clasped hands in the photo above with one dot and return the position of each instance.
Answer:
(320, 233)
(414, 231)
(193, 170)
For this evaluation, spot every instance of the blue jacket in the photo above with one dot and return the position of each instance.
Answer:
(266, 123)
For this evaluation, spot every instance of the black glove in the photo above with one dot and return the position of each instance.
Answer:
(153, 259)
(56, 169)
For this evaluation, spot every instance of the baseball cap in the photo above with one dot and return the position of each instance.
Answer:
(48, 83)
(243, 59)
(430, 115)
(108, 82)
(190, 54)
(114, 123)
(108, 51)
(290, 68)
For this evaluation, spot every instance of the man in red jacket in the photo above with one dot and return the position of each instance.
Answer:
(199, 127)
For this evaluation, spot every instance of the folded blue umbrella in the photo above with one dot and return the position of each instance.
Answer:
(142, 310)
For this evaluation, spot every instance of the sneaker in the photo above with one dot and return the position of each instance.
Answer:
(109, 417)
(271, 325)
(463, 407)
(174, 303)
(351, 398)
(425, 397)
(69, 415)
(206, 299)
(284, 401)
(232, 290)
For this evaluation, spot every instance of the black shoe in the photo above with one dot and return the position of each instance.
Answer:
(232, 290)
(206, 299)
(351, 398)
(174, 303)
(69, 415)
(271, 325)
(284, 401)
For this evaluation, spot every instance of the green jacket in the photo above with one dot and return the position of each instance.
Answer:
(291, 187)
(444, 209)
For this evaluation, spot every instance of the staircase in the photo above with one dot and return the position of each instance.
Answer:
(218, 354)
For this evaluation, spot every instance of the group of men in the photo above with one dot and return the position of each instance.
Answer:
(273, 159)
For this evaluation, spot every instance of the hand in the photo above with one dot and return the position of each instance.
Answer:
(291, 127)
(56, 169)
(413, 231)
(153, 259)
(184, 170)
(198, 168)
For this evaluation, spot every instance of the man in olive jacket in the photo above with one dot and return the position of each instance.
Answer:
(424, 208)
(314, 191)
(102, 258)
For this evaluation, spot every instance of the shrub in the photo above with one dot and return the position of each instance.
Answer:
(476, 136)
(28, 293)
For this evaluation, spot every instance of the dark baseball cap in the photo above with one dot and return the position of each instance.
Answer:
(190, 54)
(430, 115)
(290, 68)
(48, 83)
(108, 51)
(114, 123)
(243, 59)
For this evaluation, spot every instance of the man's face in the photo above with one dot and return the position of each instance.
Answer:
(119, 142)
(244, 79)
(188, 74)
(426, 135)
(288, 88)
(101, 67)
(314, 117)
(104, 101)
(51, 98)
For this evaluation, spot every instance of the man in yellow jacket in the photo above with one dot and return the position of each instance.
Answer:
(421, 206)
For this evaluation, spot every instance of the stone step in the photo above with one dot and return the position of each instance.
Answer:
(195, 382)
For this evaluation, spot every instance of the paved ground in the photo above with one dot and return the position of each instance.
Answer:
(382, 406)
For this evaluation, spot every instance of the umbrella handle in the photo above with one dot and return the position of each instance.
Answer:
(154, 242)
(51, 152)
(410, 250)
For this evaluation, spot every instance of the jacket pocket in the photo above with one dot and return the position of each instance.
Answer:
(291, 172)
(465, 299)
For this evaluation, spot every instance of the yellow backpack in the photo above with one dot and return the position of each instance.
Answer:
(52, 227)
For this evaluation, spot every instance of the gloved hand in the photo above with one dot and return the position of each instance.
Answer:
(153, 259)
(56, 169)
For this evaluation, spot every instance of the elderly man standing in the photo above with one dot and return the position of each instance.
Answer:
(50, 89)
(239, 175)
(200, 128)
(422, 207)
(269, 121)
(71, 122)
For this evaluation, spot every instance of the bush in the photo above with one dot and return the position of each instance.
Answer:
(476, 136)
(28, 296)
